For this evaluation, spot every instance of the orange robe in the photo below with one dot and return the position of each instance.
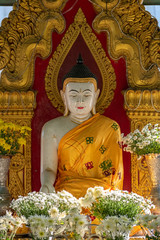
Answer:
(90, 155)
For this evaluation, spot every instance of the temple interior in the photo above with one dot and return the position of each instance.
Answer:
(40, 41)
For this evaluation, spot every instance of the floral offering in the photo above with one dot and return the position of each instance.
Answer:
(10, 223)
(54, 214)
(12, 136)
(51, 214)
(39, 203)
(103, 203)
(115, 227)
(152, 223)
(76, 225)
(116, 210)
(143, 142)
(43, 227)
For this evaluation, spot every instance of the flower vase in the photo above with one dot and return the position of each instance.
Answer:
(153, 163)
(4, 193)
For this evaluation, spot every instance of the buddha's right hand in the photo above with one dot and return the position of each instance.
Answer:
(47, 188)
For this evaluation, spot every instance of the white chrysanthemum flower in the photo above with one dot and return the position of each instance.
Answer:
(90, 191)
(41, 234)
(52, 229)
(62, 215)
(81, 222)
(50, 221)
(86, 201)
(53, 212)
(10, 227)
(98, 192)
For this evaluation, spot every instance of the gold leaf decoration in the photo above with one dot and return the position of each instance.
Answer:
(80, 26)
(138, 24)
(142, 107)
(134, 34)
(25, 33)
(18, 107)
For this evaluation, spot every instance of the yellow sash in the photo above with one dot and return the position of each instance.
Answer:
(90, 155)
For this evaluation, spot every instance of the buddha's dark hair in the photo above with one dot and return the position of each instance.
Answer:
(80, 70)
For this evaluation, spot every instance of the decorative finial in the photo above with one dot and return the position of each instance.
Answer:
(79, 59)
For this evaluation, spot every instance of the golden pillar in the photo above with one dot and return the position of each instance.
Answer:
(18, 107)
(142, 107)
(25, 33)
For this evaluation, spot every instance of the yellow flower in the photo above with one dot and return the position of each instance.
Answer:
(27, 128)
(1, 121)
(10, 125)
(22, 141)
(24, 129)
(12, 134)
(71, 234)
(7, 146)
(2, 141)
(17, 128)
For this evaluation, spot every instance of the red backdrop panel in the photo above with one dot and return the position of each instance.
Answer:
(45, 111)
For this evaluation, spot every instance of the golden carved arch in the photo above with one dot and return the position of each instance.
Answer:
(134, 34)
(80, 26)
(23, 35)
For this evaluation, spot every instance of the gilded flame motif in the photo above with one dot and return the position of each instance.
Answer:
(25, 33)
(80, 26)
(52, 4)
(134, 34)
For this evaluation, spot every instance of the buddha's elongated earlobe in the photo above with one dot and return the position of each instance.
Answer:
(94, 110)
(66, 111)
(95, 101)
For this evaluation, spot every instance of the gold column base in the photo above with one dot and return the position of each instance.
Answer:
(142, 107)
(18, 107)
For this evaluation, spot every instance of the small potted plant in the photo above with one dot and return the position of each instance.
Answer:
(116, 210)
(51, 214)
(144, 142)
(12, 137)
(147, 143)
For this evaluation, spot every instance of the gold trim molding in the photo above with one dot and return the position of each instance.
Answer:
(52, 4)
(18, 107)
(80, 26)
(142, 107)
(134, 34)
(17, 103)
(23, 35)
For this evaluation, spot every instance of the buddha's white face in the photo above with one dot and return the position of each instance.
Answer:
(80, 98)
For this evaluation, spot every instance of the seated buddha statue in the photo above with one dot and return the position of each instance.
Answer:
(80, 149)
